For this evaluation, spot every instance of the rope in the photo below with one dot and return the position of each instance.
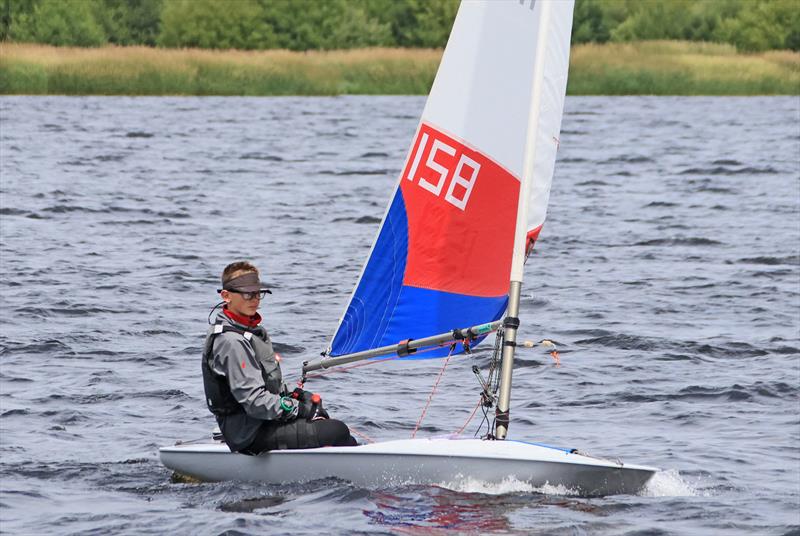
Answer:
(343, 369)
(430, 396)
(474, 411)
(361, 435)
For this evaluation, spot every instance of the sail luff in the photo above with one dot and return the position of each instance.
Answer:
(534, 111)
(367, 258)
(520, 241)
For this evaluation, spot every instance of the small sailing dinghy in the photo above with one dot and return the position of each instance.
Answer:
(446, 268)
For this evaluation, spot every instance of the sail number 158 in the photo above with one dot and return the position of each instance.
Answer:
(463, 172)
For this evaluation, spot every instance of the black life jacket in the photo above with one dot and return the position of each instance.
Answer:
(219, 399)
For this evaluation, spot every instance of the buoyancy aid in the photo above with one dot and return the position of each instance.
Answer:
(219, 399)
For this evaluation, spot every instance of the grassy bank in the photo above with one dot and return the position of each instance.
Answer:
(647, 68)
(680, 68)
(43, 70)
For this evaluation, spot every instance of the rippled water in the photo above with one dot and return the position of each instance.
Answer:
(668, 272)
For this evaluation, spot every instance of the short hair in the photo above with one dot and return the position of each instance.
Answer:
(235, 269)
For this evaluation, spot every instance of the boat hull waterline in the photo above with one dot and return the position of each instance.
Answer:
(415, 461)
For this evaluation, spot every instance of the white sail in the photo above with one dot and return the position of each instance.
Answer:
(479, 169)
(505, 96)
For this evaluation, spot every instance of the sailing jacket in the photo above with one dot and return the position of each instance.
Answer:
(242, 379)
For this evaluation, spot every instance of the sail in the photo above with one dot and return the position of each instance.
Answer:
(475, 181)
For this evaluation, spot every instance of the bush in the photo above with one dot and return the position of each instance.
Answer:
(214, 24)
(130, 22)
(332, 24)
(59, 23)
(761, 26)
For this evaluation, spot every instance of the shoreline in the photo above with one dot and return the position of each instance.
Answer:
(640, 68)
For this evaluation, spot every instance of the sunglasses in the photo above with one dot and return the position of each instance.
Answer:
(251, 295)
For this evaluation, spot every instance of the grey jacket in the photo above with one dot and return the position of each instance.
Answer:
(255, 380)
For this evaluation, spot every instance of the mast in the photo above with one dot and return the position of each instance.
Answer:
(511, 323)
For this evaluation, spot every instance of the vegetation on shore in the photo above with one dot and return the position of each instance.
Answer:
(43, 70)
(680, 68)
(749, 25)
(643, 68)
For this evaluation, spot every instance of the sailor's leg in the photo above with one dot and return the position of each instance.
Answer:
(301, 434)
(333, 433)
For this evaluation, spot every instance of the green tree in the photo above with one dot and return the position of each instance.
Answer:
(215, 24)
(11, 11)
(588, 23)
(434, 22)
(593, 20)
(332, 24)
(59, 23)
(415, 23)
(655, 20)
(130, 22)
(762, 26)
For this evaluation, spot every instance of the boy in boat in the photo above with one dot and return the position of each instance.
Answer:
(243, 383)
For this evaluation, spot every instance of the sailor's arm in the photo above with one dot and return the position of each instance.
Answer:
(236, 360)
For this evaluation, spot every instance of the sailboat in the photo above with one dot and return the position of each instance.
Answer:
(446, 268)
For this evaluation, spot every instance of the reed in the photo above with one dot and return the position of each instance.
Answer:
(680, 68)
(646, 68)
(43, 70)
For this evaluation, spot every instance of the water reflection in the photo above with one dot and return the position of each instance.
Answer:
(438, 510)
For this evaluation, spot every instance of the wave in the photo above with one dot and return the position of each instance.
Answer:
(261, 156)
(687, 241)
(722, 170)
(792, 260)
(668, 483)
(357, 172)
(627, 159)
(733, 393)
(39, 347)
(16, 411)
(593, 182)
(679, 349)
(508, 485)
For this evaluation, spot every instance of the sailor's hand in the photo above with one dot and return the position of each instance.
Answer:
(320, 413)
(306, 410)
(291, 408)
(311, 409)
(300, 394)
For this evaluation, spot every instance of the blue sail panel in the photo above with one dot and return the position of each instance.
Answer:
(384, 311)
(373, 300)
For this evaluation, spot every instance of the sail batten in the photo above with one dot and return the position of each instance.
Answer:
(469, 193)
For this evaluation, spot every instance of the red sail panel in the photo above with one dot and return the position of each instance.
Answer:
(462, 210)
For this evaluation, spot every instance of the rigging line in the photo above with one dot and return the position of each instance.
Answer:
(430, 396)
(361, 435)
(474, 411)
(343, 369)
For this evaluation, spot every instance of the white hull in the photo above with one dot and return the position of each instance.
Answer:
(417, 461)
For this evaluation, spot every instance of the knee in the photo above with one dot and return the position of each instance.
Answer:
(341, 432)
(333, 433)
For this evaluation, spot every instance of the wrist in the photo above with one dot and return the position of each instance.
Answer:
(288, 404)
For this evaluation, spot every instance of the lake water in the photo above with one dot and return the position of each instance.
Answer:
(668, 272)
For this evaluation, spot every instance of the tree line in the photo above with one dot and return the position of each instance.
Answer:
(749, 25)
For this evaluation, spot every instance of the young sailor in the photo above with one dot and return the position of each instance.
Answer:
(243, 383)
